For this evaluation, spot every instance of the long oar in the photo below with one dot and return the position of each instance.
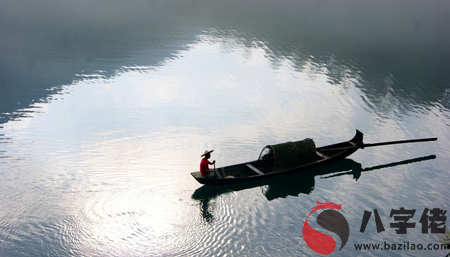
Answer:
(215, 176)
(362, 146)
(401, 142)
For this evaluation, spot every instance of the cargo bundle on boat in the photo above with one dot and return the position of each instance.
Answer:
(290, 154)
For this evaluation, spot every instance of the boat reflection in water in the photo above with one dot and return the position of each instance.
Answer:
(291, 184)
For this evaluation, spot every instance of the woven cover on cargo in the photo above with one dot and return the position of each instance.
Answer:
(293, 154)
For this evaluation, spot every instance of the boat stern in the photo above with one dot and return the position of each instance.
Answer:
(197, 175)
(202, 179)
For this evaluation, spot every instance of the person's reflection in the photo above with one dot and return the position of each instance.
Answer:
(204, 195)
(206, 211)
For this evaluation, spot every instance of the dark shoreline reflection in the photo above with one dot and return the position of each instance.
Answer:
(47, 44)
(395, 52)
(291, 184)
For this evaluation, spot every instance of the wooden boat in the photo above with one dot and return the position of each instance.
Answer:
(277, 160)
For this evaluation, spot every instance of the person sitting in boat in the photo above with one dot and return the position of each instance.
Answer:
(204, 165)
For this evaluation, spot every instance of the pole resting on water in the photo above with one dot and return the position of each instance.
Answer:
(362, 146)
(398, 142)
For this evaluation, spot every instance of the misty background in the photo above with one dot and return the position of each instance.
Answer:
(45, 44)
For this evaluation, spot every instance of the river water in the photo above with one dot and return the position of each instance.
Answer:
(106, 107)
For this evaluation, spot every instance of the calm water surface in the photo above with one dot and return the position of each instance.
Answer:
(106, 108)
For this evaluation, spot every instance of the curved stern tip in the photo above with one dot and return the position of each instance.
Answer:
(358, 138)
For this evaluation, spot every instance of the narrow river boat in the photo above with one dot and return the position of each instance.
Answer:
(285, 158)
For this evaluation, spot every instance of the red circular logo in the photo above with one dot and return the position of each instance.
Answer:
(331, 220)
